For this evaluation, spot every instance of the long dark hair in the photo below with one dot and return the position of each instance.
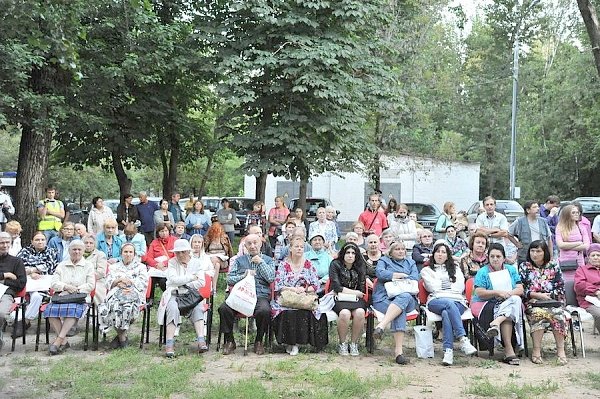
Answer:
(359, 262)
(539, 244)
(449, 263)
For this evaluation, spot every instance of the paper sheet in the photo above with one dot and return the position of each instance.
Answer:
(154, 272)
(593, 300)
(41, 284)
(501, 280)
(3, 289)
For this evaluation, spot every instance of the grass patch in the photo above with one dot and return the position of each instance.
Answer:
(488, 364)
(481, 386)
(591, 380)
(120, 374)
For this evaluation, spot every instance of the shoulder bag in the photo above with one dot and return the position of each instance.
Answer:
(396, 287)
(188, 300)
(298, 300)
(78, 297)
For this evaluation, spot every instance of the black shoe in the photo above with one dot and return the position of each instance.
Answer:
(73, 331)
(124, 344)
(64, 347)
(115, 343)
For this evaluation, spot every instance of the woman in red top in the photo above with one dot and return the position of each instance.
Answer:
(277, 217)
(587, 283)
(159, 253)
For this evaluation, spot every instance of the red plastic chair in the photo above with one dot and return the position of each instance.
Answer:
(15, 307)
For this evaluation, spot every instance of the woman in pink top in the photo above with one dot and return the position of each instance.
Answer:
(277, 218)
(572, 242)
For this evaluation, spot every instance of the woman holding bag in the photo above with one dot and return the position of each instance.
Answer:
(347, 276)
(570, 240)
(184, 276)
(445, 283)
(294, 326)
(394, 266)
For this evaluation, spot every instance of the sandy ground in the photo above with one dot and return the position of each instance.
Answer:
(427, 377)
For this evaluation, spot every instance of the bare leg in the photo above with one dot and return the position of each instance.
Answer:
(393, 311)
(342, 324)
(56, 324)
(498, 320)
(357, 323)
(506, 330)
(171, 331)
(399, 341)
(537, 343)
(199, 327)
(560, 344)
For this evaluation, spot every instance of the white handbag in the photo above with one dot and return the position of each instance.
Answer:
(397, 287)
(346, 297)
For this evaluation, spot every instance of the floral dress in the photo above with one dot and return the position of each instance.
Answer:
(122, 304)
(546, 279)
(470, 266)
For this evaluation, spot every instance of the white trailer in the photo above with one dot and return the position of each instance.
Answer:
(408, 179)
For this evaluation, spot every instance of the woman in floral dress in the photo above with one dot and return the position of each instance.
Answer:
(126, 283)
(295, 327)
(542, 280)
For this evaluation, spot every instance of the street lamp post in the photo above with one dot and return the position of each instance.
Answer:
(513, 135)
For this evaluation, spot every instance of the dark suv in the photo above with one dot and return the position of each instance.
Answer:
(312, 204)
(427, 214)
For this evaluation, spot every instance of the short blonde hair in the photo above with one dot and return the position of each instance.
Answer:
(13, 227)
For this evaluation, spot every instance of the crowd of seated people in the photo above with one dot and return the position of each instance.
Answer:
(158, 245)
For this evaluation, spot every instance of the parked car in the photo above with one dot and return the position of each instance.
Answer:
(509, 208)
(312, 204)
(76, 214)
(242, 207)
(427, 214)
(590, 206)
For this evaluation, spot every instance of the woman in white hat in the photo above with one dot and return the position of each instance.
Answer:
(184, 275)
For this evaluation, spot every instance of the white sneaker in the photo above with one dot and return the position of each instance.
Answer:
(343, 349)
(448, 357)
(294, 350)
(354, 349)
(466, 347)
(288, 349)
(177, 331)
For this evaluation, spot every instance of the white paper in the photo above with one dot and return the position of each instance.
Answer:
(220, 256)
(593, 300)
(501, 280)
(154, 272)
(162, 258)
(41, 284)
(3, 289)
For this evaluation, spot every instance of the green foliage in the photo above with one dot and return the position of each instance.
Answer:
(483, 387)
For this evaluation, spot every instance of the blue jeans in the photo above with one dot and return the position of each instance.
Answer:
(452, 324)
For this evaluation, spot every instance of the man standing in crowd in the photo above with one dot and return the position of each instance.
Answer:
(492, 223)
(146, 213)
(529, 228)
(51, 212)
(175, 209)
(7, 208)
(373, 218)
(549, 211)
(227, 216)
(12, 275)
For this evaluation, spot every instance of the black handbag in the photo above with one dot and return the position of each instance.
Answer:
(568, 265)
(549, 303)
(69, 298)
(188, 301)
(7, 214)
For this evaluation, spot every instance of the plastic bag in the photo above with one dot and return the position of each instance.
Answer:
(424, 341)
(242, 297)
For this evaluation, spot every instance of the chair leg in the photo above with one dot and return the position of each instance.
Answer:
(148, 313)
(572, 334)
(47, 331)
(219, 338)
(246, 338)
(369, 341)
(12, 348)
(23, 321)
(143, 327)
(87, 329)
(96, 321)
(37, 331)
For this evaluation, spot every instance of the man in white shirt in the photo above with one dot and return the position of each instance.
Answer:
(7, 207)
(492, 223)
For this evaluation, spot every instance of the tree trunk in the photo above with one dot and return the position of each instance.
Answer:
(204, 178)
(376, 168)
(590, 19)
(170, 182)
(261, 186)
(121, 174)
(32, 173)
(302, 193)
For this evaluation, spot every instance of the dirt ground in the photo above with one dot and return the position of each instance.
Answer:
(427, 378)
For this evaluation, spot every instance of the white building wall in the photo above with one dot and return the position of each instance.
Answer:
(421, 179)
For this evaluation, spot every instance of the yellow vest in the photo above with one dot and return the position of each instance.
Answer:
(50, 222)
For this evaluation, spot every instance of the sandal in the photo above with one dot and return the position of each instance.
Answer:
(493, 331)
(537, 360)
(378, 333)
(562, 360)
(512, 360)
(400, 359)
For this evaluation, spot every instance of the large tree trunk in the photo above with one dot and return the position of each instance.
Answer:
(590, 19)
(170, 174)
(302, 193)
(261, 186)
(32, 173)
(121, 174)
(204, 177)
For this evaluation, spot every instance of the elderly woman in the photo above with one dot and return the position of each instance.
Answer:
(99, 214)
(14, 229)
(163, 215)
(179, 231)
(372, 256)
(131, 235)
(184, 274)
(126, 283)
(497, 297)
(587, 283)
(61, 242)
(320, 258)
(159, 252)
(325, 228)
(347, 275)
(99, 263)
(109, 242)
(197, 244)
(295, 327)
(359, 229)
(394, 266)
(39, 260)
(445, 284)
(74, 275)
(477, 256)
(422, 251)
(542, 281)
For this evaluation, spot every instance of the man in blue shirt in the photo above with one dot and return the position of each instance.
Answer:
(146, 210)
(175, 209)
